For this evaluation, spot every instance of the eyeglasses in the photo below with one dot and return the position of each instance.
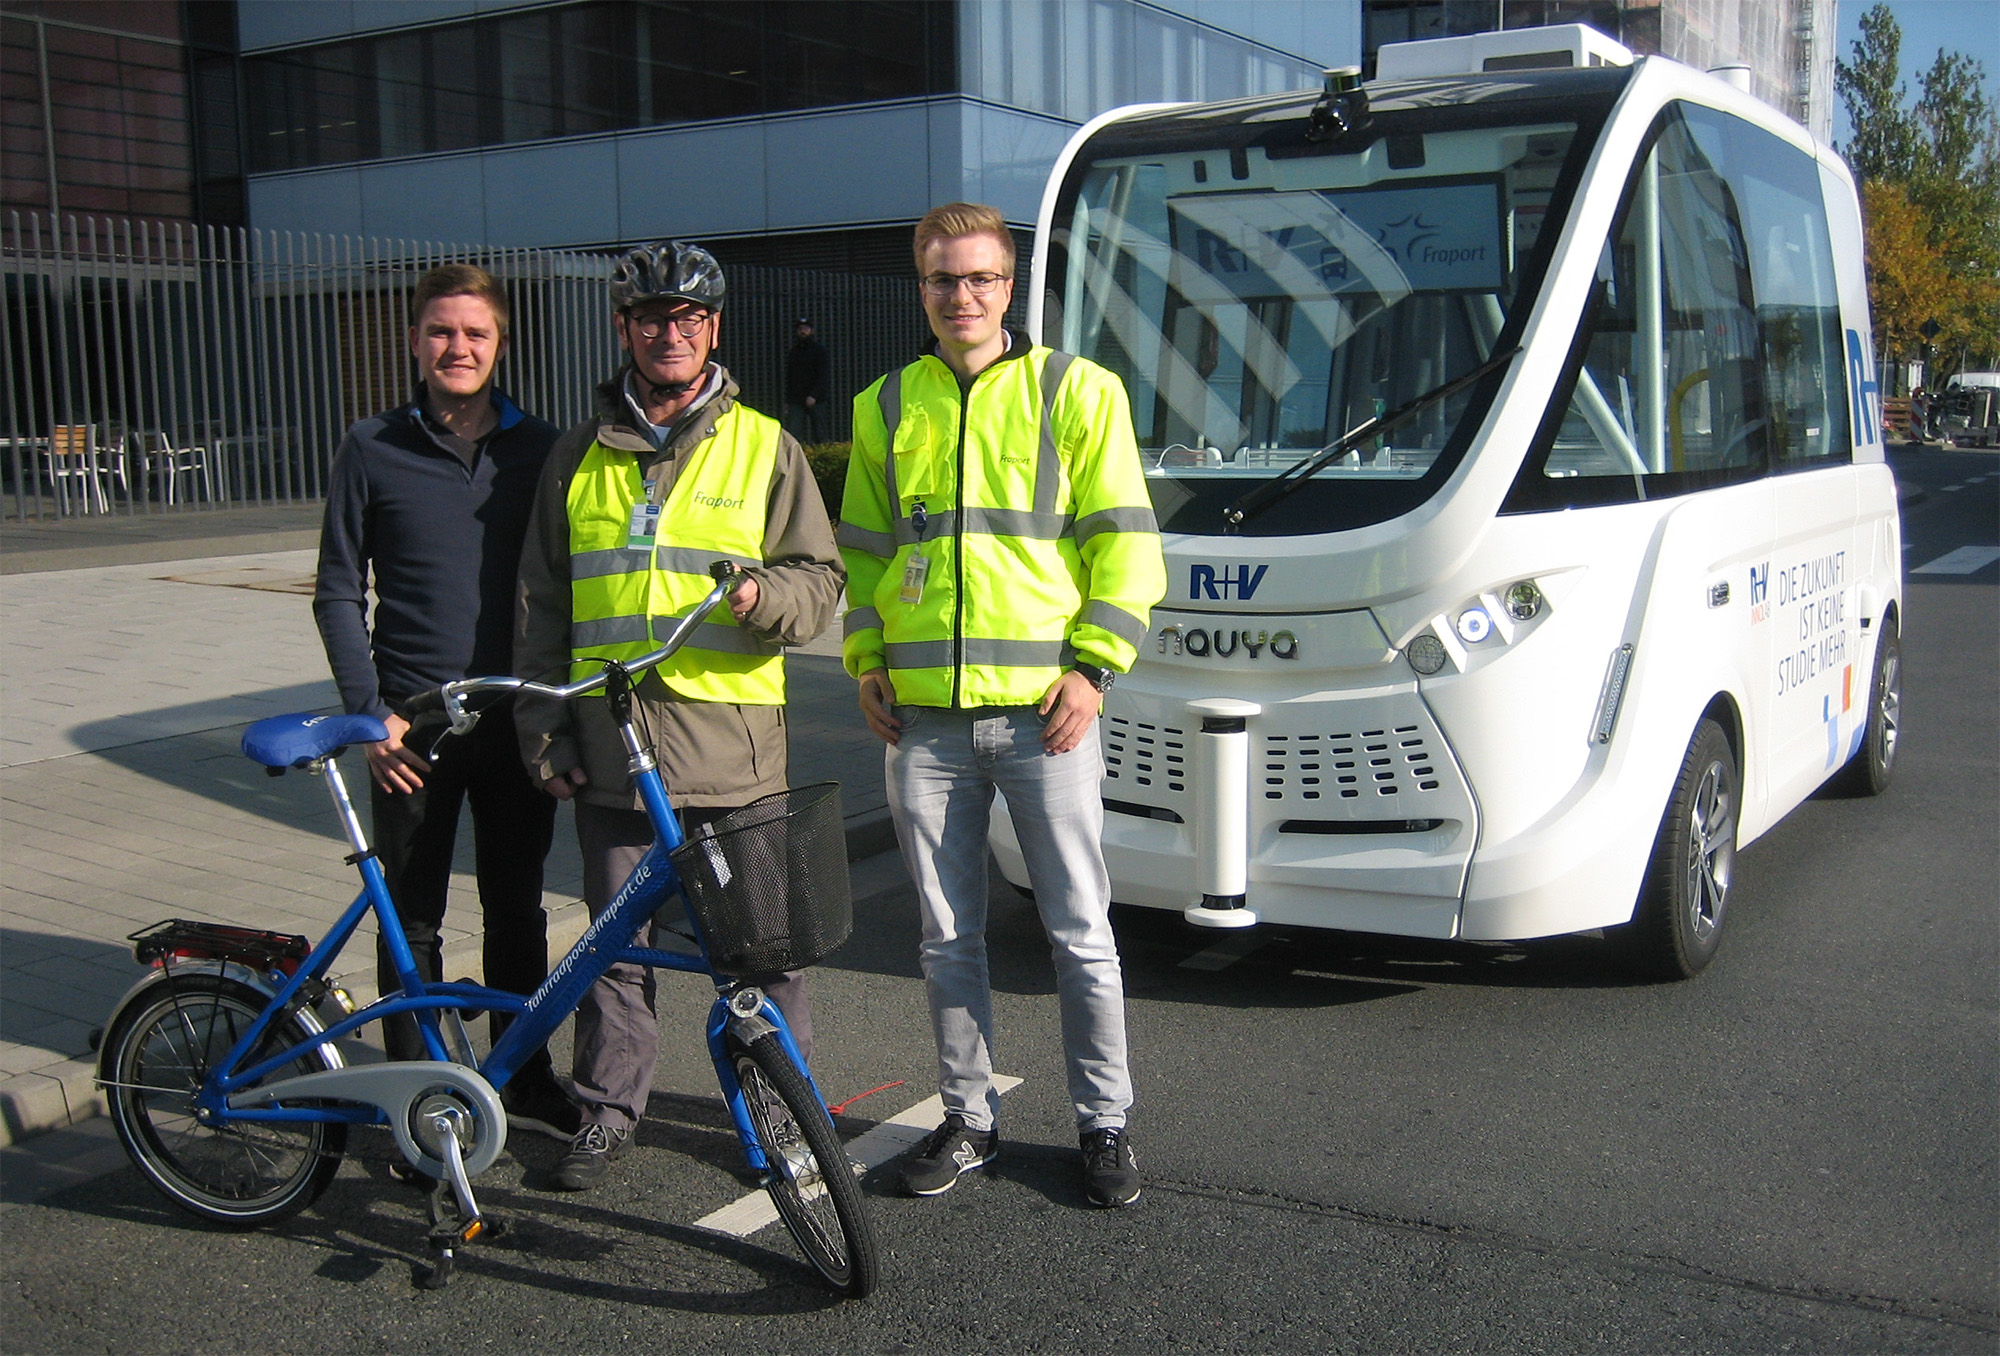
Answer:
(653, 326)
(979, 284)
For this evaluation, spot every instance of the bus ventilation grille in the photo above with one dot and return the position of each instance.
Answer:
(1350, 765)
(1138, 753)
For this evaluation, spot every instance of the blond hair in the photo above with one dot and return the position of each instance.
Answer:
(955, 219)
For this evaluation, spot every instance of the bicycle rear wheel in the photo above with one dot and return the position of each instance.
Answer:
(158, 1053)
(809, 1177)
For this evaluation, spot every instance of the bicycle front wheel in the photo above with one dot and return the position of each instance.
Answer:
(809, 1177)
(159, 1051)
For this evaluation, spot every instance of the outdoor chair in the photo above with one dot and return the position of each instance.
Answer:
(74, 456)
(165, 465)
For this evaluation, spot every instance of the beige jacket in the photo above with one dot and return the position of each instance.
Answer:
(710, 753)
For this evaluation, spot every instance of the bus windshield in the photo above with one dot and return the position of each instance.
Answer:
(1261, 295)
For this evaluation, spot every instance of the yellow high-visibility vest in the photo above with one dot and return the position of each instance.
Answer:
(625, 599)
(994, 537)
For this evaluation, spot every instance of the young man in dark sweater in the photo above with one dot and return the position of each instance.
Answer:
(434, 498)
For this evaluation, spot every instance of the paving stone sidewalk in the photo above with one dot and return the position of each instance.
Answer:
(124, 799)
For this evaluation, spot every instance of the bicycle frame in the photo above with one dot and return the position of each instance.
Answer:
(653, 882)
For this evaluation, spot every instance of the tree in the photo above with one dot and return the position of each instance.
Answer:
(1958, 177)
(1885, 134)
(1930, 180)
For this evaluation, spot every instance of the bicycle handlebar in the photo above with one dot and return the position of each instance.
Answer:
(450, 698)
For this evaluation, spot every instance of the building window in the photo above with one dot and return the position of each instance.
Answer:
(596, 66)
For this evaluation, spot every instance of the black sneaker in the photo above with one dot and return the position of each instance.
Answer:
(589, 1157)
(949, 1150)
(1110, 1171)
(540, 1105)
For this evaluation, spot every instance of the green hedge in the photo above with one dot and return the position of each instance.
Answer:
(829, 468)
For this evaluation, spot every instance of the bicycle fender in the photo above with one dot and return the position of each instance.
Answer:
(222, 969)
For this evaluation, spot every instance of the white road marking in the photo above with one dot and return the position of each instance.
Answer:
(744, 1217)
(1226, 952)
(1965, 560)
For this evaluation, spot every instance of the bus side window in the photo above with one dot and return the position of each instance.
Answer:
(1710, 352)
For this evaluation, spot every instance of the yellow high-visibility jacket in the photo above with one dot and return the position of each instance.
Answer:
(995, 535)
(625, 600)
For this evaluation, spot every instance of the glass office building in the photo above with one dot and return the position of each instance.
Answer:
(801, 132)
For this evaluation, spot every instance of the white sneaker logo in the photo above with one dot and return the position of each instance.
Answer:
(965, 1156)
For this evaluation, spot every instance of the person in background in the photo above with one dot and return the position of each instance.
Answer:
(807, 371)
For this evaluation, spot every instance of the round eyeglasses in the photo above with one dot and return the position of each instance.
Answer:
(653, 326)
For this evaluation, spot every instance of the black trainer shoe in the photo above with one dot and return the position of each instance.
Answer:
(1110, 1170)
(949, 1150)
(589, 1157)
(542, 1106)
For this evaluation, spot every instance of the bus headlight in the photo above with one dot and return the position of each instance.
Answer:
(1524, 601)
(1425, 653)
(1474, 625)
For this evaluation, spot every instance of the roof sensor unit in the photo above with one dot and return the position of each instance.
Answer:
(1556, 47)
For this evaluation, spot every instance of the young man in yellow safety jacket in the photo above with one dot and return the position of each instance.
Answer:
(670, 474)
(1002, 558)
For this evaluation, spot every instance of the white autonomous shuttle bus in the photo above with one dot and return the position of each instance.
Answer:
(1512, 424)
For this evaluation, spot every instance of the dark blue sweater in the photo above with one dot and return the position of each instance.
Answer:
(444, 542)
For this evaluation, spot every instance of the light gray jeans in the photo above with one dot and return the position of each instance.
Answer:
(941, 780)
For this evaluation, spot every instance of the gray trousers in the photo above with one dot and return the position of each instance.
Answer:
(941, 778)
(617, 1031)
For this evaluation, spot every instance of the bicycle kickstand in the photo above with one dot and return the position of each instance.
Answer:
(454, 1213)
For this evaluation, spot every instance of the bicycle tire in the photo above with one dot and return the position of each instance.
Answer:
(159, 1050)
(824, 1209)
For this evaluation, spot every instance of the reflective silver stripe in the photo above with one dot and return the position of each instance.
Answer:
(1016, 654)
(587, 635)
(890, 398)
(874, 543)
(616, 560)
(1048, 470)
(860, 619)
(1114, 619)
(1003, 654)
(918, 654)
(687, 560)
(1138, 519)
(1035, 526)
(726, 639)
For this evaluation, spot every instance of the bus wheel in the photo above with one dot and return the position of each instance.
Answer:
(1869, 772)
(1678, 922)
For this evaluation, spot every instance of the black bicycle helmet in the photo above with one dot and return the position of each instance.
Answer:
(667, 270)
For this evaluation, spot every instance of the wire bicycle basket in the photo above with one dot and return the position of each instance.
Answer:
(768, 883)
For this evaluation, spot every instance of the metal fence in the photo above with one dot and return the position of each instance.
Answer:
(157, 367)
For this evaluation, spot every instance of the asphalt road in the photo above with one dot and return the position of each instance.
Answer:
(1351, 1143)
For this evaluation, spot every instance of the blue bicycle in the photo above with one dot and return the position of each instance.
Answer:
(228, 1088)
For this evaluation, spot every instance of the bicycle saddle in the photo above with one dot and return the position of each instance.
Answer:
(294, 741)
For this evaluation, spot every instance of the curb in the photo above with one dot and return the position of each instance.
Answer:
(65, 1094)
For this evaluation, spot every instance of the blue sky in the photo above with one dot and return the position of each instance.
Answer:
(1968, 26)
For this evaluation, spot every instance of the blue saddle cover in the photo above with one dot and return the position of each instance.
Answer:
(294, 741)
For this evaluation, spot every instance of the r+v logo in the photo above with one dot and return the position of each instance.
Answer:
(1239, 582)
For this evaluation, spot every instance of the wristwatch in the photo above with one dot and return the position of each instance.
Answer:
(1099, 678)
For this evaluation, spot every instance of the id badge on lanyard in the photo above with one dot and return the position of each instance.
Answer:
(644, 532)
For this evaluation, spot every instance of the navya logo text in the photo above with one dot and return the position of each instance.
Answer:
(1238, 582)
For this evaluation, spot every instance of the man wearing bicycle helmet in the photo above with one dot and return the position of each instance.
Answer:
(670, 473)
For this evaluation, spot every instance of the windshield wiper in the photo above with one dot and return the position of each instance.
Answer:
(1279, 486)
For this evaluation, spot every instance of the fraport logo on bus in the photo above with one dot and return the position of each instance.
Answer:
(1238, 582)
